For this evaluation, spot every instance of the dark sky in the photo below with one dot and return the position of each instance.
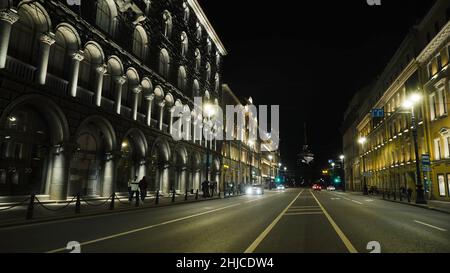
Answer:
(309, 57)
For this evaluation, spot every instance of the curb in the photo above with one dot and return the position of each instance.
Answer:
(22, 223)
(418, 206)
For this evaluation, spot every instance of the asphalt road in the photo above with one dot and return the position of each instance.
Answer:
(293, 221)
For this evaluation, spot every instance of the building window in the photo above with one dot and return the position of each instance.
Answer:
(186, 12)
(198, 59)
(140, 42)
(433, 106)
(164, 63)
(103, 17)
(182, 78)
(198, 31)
(442, 102)
(208, 72)
(58, 56)
(167, 21)
(441, 182)
(437, 149)
(446, 147)
(184, 44)
(439, 62)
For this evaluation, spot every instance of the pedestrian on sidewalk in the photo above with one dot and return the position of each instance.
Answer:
(205, 189)
(211, 187)
(134, 189)
(130, 182)
(410, 191)
(143, 185)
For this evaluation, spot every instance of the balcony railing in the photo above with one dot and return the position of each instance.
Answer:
(56, 85)
(20, 69)
(84, 95)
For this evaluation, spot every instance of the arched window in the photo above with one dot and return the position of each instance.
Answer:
(140, 42)
(66, 43)
(208, 46)
(217, 58)
(217, 82)
(93, 59)
(198, 31)
(208, 72)
(167, 21)
(184, 44)
(182, 78)
(164, 63)
(24, 41)
(186, 12)
(198, 59)
(106, 11)
(196, 89)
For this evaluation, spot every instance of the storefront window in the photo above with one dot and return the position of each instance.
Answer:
(441, 181)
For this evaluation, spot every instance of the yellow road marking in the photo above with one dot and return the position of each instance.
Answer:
(303, 213)
(263, 235)
(339, 232)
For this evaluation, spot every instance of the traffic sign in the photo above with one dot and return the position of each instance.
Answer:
(378, 113)
(426, 161)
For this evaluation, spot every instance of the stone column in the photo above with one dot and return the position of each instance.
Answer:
(100, 73)
(195, 131)
(120, 81)
(136, 92)
(46, 41)
(187, 126)
(77, 57)
(108, 176)
(60, 171)
(149, 99)
(7, 19)
(182, 180)
(161, 114)
(165, 187)
(171, 110)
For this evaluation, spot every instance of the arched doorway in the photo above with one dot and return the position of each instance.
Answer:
(160, 158)
(132, 162)
(178, 170)
(92, 168)
(194, 167)
(32, 158)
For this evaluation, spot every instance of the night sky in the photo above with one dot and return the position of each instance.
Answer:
(309, 57)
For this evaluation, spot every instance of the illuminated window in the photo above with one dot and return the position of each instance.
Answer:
(437, 149)
(103, 17)
(164, 63)
(433, 106)
(441, 182)
(140, 42)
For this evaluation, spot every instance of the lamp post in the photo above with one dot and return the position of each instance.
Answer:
(410, 104)
(209, 111)
(342, 158)
(362, 141)
(270, 172)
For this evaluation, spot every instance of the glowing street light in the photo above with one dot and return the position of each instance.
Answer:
(410, 103)
(362, 141)
(342, 157)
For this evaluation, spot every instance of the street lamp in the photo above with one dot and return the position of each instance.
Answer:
(410, 103)
(362, 141)
(209, 111)
(342, 158)
(270, 172)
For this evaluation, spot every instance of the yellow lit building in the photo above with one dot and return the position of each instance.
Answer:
(380, 150)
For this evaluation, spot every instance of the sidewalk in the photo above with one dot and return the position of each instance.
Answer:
(432, 204)
(15, 214)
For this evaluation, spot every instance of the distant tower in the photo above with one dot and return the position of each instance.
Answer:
(306, 156)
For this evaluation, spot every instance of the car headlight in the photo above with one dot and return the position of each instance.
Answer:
(249, 191)
(258, 191)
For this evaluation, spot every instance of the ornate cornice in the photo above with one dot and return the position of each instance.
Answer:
(434, 45)
(10, 16)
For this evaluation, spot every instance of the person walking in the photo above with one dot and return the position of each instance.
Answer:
(143, 185)
(134, 189)
(130, 181)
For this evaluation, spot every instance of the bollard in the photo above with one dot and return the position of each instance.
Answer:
(384, 195)
(409, 198)
(196, 195)
(30, 210)
(389, 195)
(157, 197)
(173, 196)
(401, 197)
(186, 195)
(78, 204)
(111, 205)
(395, 196)
(137, 199)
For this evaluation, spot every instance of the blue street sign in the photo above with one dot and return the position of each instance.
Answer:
(378, 113)
(426, 161)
